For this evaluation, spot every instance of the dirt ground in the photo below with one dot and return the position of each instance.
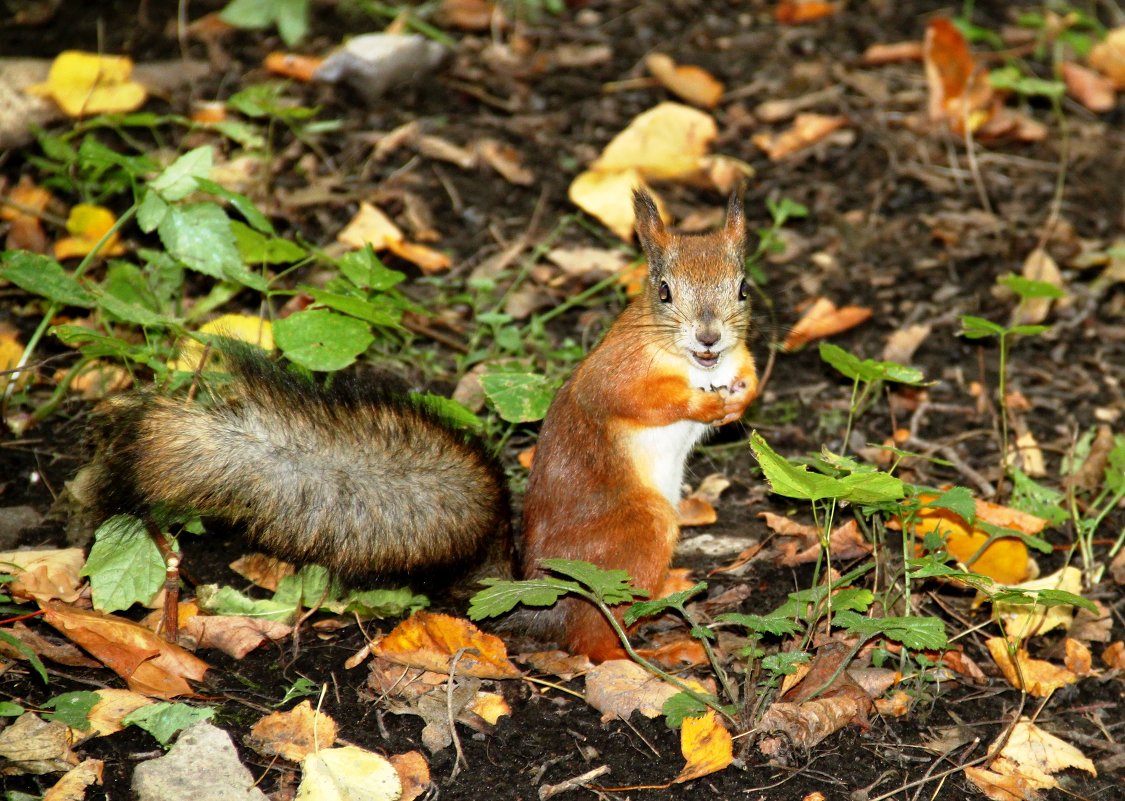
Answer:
(896, 223)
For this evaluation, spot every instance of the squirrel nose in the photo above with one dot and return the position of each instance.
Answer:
(708, 337)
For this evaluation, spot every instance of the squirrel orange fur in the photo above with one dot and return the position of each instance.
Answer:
(606, 479)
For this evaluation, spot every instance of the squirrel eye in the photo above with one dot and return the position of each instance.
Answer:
(743, 290)
(665, 294)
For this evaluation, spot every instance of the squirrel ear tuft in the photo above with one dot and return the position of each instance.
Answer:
(735, 226)
(650, 228)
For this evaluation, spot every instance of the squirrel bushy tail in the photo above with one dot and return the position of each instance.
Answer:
(354, 477)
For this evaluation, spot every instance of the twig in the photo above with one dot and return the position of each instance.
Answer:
(460, 760)
(551, 790)
(982, 483)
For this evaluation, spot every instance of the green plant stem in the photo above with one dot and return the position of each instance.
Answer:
(47, 409)
(724, 680)
(1002, 390)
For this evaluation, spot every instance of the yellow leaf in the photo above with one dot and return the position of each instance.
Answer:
(348, 773)
(295, 734)
(490, 706)
(609, 197)
(1038, 677)
(430, 641)
(1027, 620)
(370, 226)
(87, 83)
(664, 143)
(706, 745)
(87, 225)
(11, 351)
(242, 327)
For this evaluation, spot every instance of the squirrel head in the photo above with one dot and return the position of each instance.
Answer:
(697, 289)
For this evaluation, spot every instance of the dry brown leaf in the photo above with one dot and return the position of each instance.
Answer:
(1108, 57)
(1114, 655)
(72, 786)
(1092, 89)
(618, 687)
(33, 745)
(234, 635)
(1034, 755)
(896, 52)
(1037, 677)
(1025, 453)
(1089, 476)
(470, 15)
(1078, 659)
(897, 706)
(696, 511)
(806, 130)
(414, 772)
(706, 745)
(490, 707)
(1038, 266)
(98, 379)
(112, 707)
(297, 66)
(293, 735)
(808, 723)
(823, 319)
(591, 263)
(902, 343)
(428, 260)
(960, 94)
(430, 641)
(147, 663)
(370, 226)
(999, 787)
(63, 653)
(45, 574)
(694, 84)
(435, 147)
(725, 173)
(506, 160)
(557, 663)
(801, 544)
(264, 571)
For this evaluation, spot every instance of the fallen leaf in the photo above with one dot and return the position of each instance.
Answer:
(429, 641)
(1078, 659)
(591, 263)
(663, 143)
(1114, 655)
(1089, 477)
(428, 260)
(1025, 453)
(619, 687)
(72, 786)
(706, 745)
(263, 570)
(1038, 266)
(959, 93)
(1036, 676)
(1033, 756)
(823, 319)
(1108, 57)
(557, 663)
(351, 773)
(1022, 621)
(725, 173)
(292, 65)
(694, 84)
(696, 511)
(147, 663)
(807, 129)
(33, 745)
(505, 159)
(112, 707)
(1000, 787)
(87, 225)
(797, 12)
(608, 196)
(490, 707)
(371, 226)
(45, 574)
(902, 344)
(413, 772)
(896, 52)
(84, 84)
(800, 544)
(470, 15)
(1092, 89)
(293, 735)
(63, 653)
(98, 379)
(234, 635)
(897, 706)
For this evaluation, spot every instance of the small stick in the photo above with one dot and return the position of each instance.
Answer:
(551, 790)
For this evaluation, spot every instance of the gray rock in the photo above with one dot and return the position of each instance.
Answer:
(203, 765)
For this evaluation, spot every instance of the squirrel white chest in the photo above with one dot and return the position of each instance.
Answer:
(660, 455)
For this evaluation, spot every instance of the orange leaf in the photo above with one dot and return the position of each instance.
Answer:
(429, 641)
(25, 200)
(694, 84)
(293, 735)
(959, 90)
(1108, 57)
(1038, 677)
(806, 130)
(292, 65)
(878, 54)
(706, 745)
(796, 12)
(1091, 89)
(823, 319)
(430, 261)
(148, 664)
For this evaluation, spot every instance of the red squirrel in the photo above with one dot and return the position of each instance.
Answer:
(606, 478)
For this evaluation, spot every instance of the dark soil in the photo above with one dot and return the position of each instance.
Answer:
(877, 235)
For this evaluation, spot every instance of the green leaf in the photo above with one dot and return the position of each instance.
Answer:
(10, 710)
(321, 340)
(164, 720)
(73, 709)
(869, 370)
(181, 177)
(258, 248)
(449, 411)
(364, 269)
(856, 599)
(376, 314)
(379, 604)
(301, 688)
(676, 600)
(787, 479)
(519, 397)
(1034, 498)
(244, 205)
(1044, 598)
(611, 586)
(151, 211)
(200, 236)
(43, 276)
(229, 601)
(784, 663)
(978, 327)
(761, 624)
(1028, 330)
(32, 657)
(870, 488)
(917, 633)
(1027, 289)
(958, 500)
(1013, 80)
(124, 566)
(500, 596)
(292, 20)
(932, 566)
(304, 588)
(680, 706)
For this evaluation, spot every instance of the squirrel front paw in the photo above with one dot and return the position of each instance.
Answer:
(735, 400)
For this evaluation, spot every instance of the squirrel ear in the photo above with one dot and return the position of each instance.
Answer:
(735, 226)
(650, 228)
